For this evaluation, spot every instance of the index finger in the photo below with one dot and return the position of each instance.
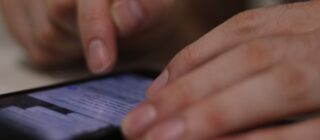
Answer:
(97, 34)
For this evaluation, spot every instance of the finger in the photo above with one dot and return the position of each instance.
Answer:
(19, 25)
(134, 15)
(241, 28)
(308, 130)
(254, 57)
(98, 35)
(63, 14)
(284, 91)
(234, 66)
(51, 41)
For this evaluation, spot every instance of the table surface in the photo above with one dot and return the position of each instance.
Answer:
(16, 75)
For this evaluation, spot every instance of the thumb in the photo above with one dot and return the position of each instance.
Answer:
(133, 15)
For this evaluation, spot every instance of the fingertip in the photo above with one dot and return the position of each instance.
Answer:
(128, 15)
(98, 35)
(158, 84)
(99, 58)
(137, 121)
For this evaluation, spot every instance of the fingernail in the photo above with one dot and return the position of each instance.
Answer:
(172, 130)
(98, 59)
(159, 83)
(136, 122)
(127, 15)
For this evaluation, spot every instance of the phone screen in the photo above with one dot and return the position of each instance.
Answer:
(74, 110)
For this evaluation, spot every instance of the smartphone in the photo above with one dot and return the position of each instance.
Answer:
(86, 109)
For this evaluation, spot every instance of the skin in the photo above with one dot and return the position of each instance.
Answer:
(259, 67)
(106, 33)
(56, 32)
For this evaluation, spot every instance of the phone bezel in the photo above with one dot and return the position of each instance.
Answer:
(148, 74)
(115, 134)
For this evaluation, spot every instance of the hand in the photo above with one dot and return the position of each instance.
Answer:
(52, 31)
(259, 67)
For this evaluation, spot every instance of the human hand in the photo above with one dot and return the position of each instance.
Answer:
(259, 67)
(53, 31)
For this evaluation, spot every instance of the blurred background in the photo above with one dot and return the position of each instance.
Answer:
(17, 74)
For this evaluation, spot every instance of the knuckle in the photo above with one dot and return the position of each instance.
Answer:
(293, 82)
(92, 16)
(171, 99)
(217, 117)
(295, 26)
(211, 118)
(256, 54)
(61, 8)
(311, 44)
(46, 36)
(184, 61)
(245, 22)
(183, 92)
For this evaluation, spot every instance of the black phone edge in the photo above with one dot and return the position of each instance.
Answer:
(149, 74)
(114, 133)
